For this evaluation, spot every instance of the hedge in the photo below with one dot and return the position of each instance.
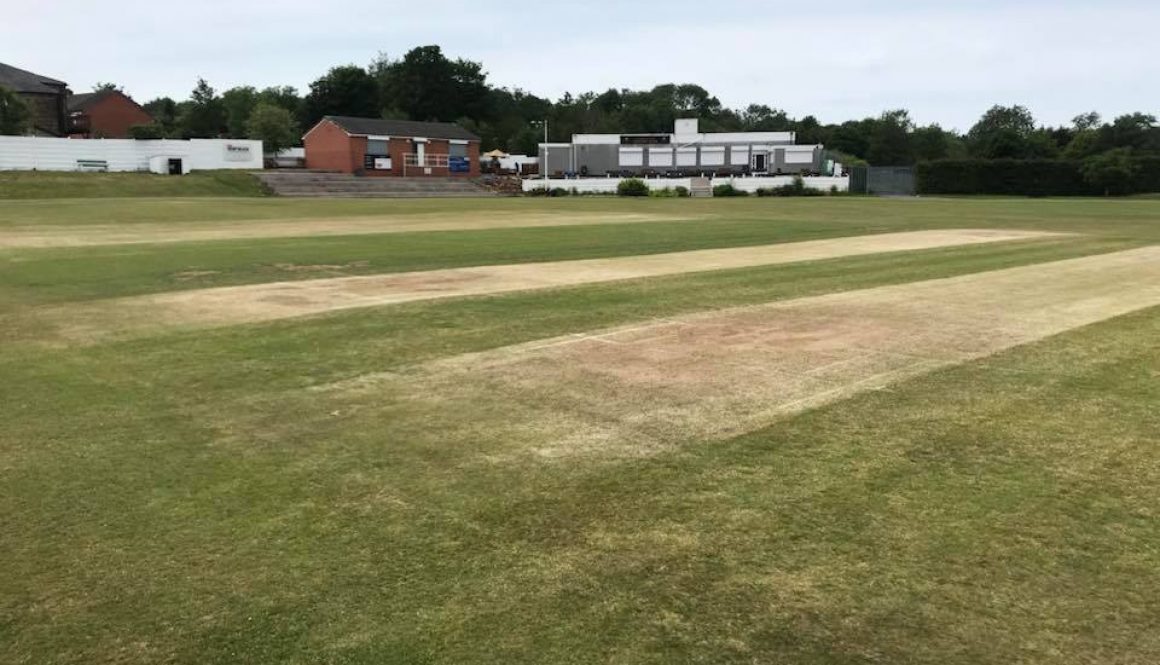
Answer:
(1024, 177)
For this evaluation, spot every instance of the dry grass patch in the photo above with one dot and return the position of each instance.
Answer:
(634, 390)
(279, 300)
(83, 235)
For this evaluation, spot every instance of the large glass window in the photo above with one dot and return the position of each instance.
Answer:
(377, 148)
(458, 150)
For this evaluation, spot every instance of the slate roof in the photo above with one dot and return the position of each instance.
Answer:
(19, 80)
(379, 127)
(82, 101)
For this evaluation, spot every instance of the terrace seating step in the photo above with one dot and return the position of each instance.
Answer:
(322, 184)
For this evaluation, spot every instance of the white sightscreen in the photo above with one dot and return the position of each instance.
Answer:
(739, 155)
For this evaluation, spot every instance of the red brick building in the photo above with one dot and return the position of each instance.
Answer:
(105, 114)
(374, 147)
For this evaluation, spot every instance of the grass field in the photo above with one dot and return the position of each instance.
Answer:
(937, 453)
(61, 184)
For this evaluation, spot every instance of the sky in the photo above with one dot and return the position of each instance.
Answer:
(946, 62)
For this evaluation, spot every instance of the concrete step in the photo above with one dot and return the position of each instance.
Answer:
(319, 184)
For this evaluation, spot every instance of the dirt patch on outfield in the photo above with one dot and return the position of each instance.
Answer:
(113, 234)
(633, 390)
(263, 302)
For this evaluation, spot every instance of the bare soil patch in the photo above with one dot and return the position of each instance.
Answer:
(113, 234)
(634, 390)
(278, 300)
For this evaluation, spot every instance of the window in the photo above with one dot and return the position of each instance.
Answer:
(458, 150)
(799, 157)
(377, 148)
(739, 155)
(632, 157)
(686, 156)
(713, 156)
(660, 157)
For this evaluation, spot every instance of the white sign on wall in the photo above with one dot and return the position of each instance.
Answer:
(237, 152)
(382, 163)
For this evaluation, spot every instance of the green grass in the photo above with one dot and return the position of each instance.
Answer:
(62, 274)
(189, 498)
(64, 185)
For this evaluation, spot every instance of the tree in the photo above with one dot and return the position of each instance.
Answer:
(15, 118)
(933, 142)
(165, 114)
(762, 118)
(103, 86)
(284, 96)
(1086, 121)
(347, 90)
(1136, 130)
(1003, 131)
(426, 85)
(890, 141)
(204, 116)
(273, 126)
(1111, 171)
(238, 103)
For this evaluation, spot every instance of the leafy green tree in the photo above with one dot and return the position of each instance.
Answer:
(1086, 121)
(426, 85)
(933, 142)
(890, 142)
(1135, 130)
(1003, 131)
(347, 90)
(284, 96)
(1084, 144)
(102, 86)
(165, 114)
(204, 116)
(15, 118)
(273, 126)
(238, 103)
(762, 118)
(1112, 171)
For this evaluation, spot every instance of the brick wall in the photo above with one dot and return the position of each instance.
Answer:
(328, 148)
(111, 117)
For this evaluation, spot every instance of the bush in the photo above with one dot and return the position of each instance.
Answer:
(1017, 177)
(681, 192)
(147, 132)
(795, 188)
(728, 190)
(632, 187)
(1113, 171)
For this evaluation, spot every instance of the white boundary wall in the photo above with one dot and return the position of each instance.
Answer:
(747, 184)
(27, 153)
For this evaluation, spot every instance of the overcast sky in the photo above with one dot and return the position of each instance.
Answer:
(945, 61)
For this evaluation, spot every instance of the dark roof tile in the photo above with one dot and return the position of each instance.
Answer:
(19, 80)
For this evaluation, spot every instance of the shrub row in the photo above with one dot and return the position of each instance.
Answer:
(1033, 177)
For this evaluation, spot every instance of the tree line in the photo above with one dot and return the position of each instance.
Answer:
(427, 85)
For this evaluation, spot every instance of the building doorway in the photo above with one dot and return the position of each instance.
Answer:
(760, 162)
